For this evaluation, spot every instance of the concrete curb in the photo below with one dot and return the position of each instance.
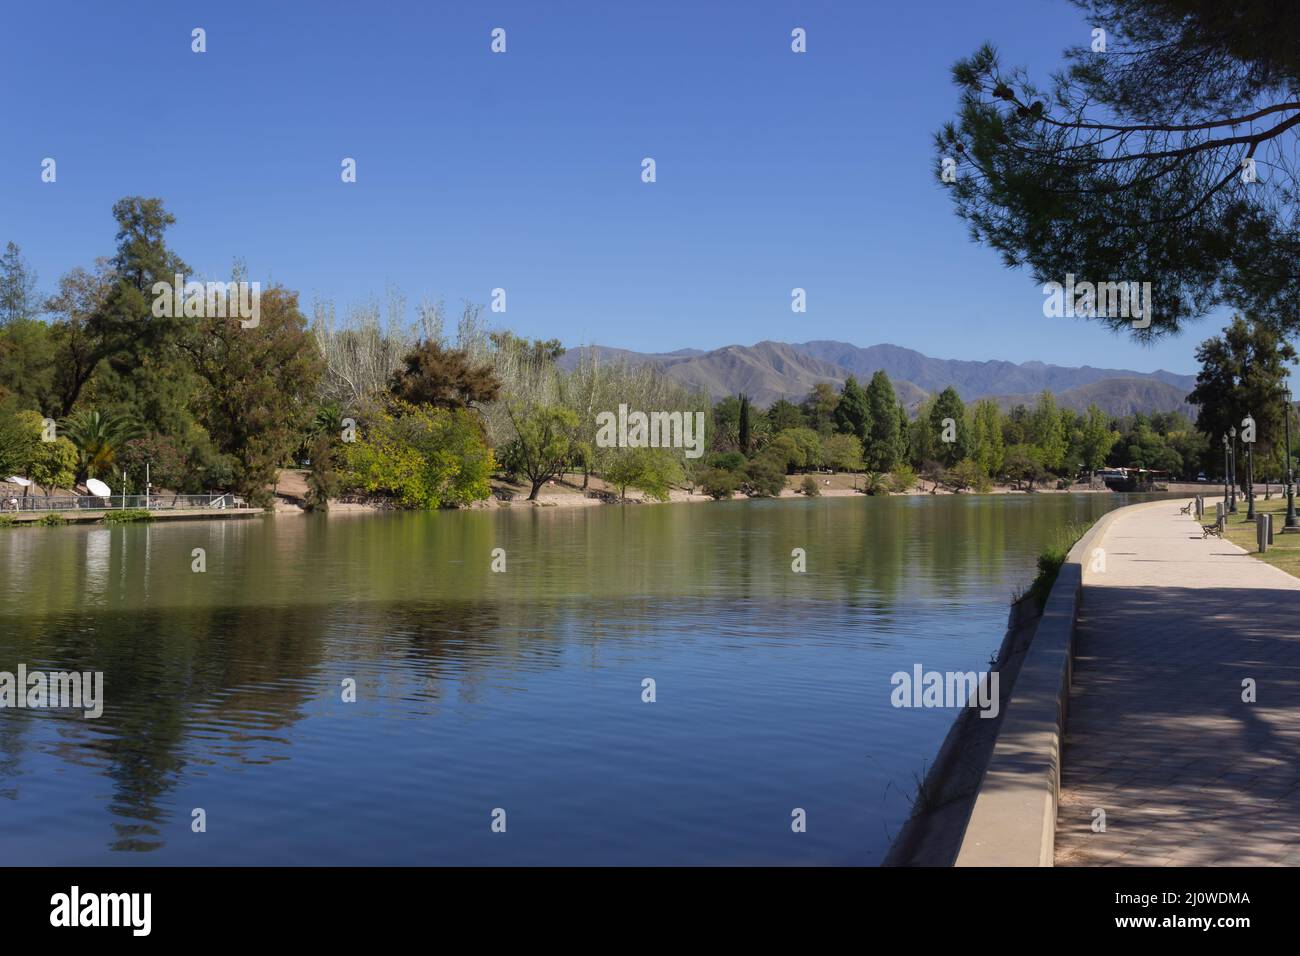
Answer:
(1013, 822)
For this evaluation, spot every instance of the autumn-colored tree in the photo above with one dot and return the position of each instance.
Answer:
(433, 374)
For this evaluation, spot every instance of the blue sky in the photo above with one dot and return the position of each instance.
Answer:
(522, 170)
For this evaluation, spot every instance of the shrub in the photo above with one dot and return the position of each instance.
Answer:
(426, 457)
(719, 483)
(127, 515)
(875, 483)
(1050, 561)
(810, 486)
(903, 479)
(52, 521)
(967, 473)
(322, 480)
(728, 461)
(765, 477)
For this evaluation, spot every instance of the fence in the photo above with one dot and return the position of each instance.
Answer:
(19, 503)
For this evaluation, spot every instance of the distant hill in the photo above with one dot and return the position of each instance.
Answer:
(974, 379)
(772, 370)
(1114, 396)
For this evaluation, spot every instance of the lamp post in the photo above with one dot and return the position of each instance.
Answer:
(1232, 444)
(1226, 475)
(1290, 522)
(1250, 480)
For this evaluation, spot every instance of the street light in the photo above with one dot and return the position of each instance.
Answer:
(1250, 480)
(1226, 474)
(1290, 522)
(1232, 434)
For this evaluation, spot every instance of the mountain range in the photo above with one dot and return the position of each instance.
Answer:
(768, 371)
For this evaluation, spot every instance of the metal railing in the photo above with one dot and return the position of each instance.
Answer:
(12, 503)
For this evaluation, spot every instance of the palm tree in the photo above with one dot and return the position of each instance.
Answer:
(875, 483)
(98, 439)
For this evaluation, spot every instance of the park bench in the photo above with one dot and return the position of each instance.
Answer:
(1187, 508)
(1215, 530)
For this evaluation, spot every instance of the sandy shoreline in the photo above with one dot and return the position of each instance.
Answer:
(569, 494)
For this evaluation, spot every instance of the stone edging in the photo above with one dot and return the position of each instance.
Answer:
(1013, 822)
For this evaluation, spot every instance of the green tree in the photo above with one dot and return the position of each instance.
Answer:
(744, 425)
(1243, 372)
(819, 408)
(546, 436)
(1024, 464)
(765, 476)
(78, 348)
(948, 427)
(28, 363)
(967, 474)
(852, 414)
(16, 439)
(52, 464)
(719, 483)
(145, 374)
(98, 438)
(842, 452)
(257, 390)
(651, 470)
(809, 444)
(425, 456)
(1133, 164)
(1098, 438)
(18, 299)
(782, 415)
(883, 446)
(1047, 431)
(986, 436)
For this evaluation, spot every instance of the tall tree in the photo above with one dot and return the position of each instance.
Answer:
(1047, 431)
(82, 295)
(819, 408)
(852, 414)
(1164, 153)
(1243, 372)
(258, 391)
(884, 448)
(18, 299)
(744, 424)
(949, 428)
(145, 370)
(1098, 438)
(986, 436)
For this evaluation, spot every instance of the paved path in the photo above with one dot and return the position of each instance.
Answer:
(1158, 735)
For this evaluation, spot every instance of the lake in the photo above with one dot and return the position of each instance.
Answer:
(518, 691)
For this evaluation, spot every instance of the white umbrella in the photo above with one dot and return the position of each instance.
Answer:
(98, 488)
(20, 482)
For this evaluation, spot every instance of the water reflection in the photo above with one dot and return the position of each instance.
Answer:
(224, 689)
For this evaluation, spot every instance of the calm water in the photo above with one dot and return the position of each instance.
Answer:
(519, 690)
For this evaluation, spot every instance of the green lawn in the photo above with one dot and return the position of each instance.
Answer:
(1285, 550)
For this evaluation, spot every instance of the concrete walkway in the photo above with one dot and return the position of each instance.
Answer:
(1158, 735)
